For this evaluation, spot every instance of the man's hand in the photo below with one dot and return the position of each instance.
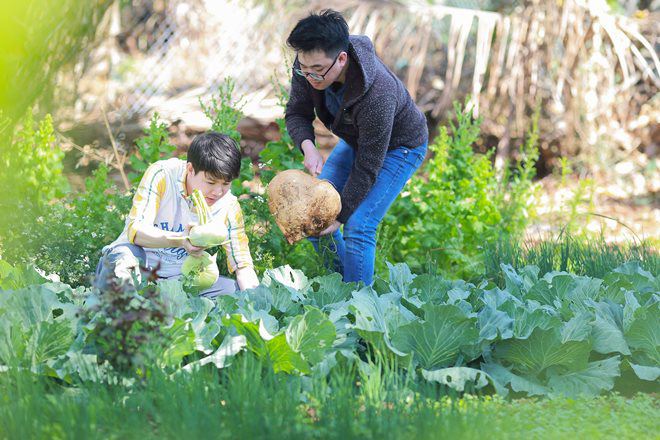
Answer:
(332, 228)
(313, 159)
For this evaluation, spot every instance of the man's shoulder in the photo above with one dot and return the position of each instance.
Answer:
(384, 85)
(377, 78)
(361, 43)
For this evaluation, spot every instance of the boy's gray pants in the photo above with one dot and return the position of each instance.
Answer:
(123, 262)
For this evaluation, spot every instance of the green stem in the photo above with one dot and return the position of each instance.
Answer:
(202, 208)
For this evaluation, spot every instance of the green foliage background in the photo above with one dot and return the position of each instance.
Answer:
(38, 39)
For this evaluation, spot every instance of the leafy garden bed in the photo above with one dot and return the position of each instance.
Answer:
(552, 335)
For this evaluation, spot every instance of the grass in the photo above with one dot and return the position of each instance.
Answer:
(577, 255)
(246, 401)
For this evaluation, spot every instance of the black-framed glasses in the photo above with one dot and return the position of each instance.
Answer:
(316, 76)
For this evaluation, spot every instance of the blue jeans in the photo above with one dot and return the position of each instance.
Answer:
(353, 252)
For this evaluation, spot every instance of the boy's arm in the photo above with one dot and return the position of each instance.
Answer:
(237, 249)
(152, 237)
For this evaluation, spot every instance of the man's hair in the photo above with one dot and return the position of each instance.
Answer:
(216, 154)
(326, 31)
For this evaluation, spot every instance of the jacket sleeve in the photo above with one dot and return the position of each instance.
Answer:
(374, 124)
(299, 113)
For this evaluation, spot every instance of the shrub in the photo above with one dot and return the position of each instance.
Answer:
(31, 164)
(68, 236)
(31, 177)
(225, 112)
(125, 326)
(456, 203)
(153, 146)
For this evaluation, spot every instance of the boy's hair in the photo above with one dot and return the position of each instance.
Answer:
(326, 31)
(216, 154)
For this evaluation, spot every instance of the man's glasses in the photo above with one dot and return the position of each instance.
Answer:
(316, 76)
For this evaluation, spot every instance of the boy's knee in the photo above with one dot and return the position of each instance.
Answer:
(125, 254)
(223, 286)
(122, 264)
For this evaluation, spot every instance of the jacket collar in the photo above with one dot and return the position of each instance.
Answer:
(361, 69)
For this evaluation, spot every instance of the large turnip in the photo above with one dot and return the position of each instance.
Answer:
(302, 205)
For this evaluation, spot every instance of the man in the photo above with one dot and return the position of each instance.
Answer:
(383, 135)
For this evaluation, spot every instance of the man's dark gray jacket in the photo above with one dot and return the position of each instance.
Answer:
(376, 115)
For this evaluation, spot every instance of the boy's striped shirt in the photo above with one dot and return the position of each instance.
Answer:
(161, 201)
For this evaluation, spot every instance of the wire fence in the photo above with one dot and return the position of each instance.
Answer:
(164, 50)
(157, 50)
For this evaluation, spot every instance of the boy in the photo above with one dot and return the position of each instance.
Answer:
(383, 135)
(163, 213)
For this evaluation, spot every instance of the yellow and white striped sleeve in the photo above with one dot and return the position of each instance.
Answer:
(146, 201)
(237, 246)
